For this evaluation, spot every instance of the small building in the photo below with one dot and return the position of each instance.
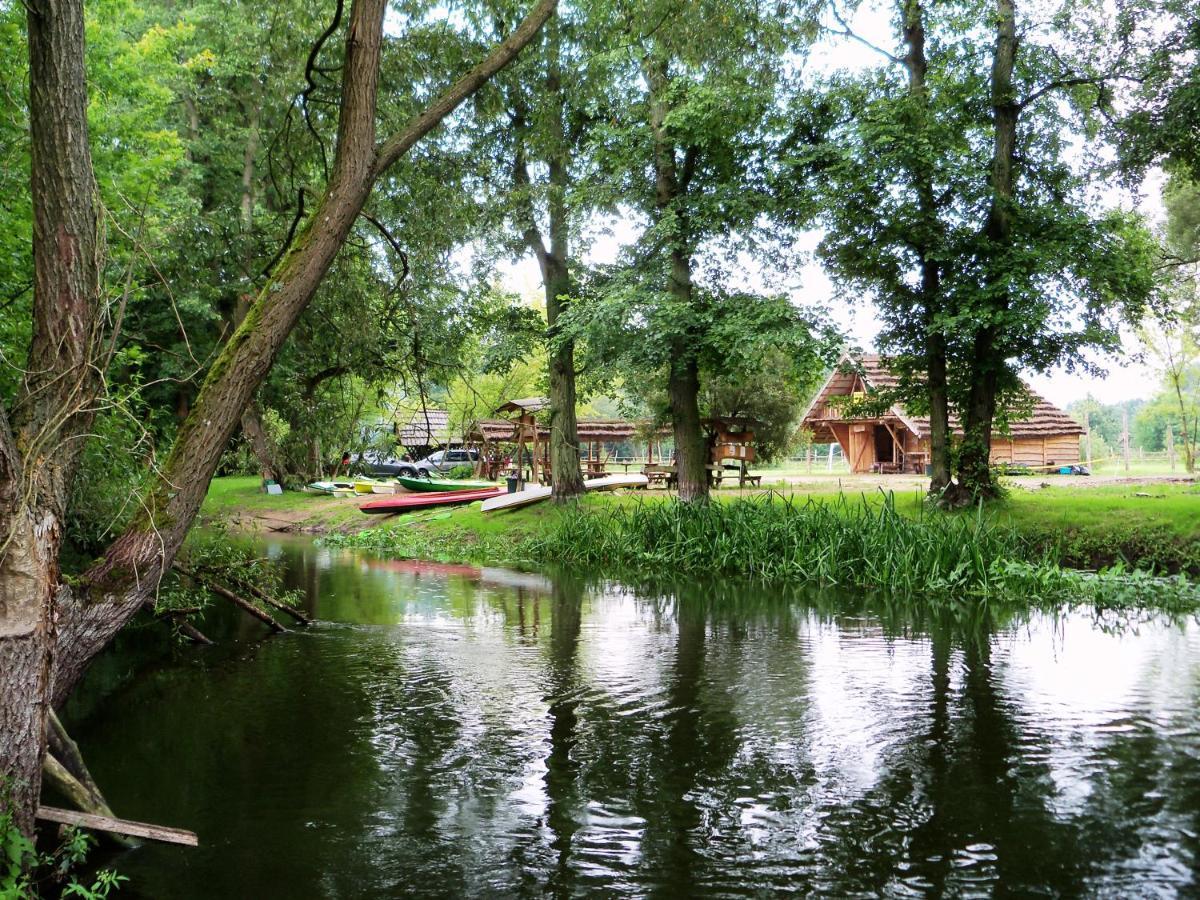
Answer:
(425, 431)
(889, 440)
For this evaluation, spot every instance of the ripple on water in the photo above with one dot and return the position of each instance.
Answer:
(456, 738)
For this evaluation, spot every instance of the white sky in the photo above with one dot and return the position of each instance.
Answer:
(1125, 379)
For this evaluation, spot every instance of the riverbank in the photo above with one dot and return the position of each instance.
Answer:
(1142, 524)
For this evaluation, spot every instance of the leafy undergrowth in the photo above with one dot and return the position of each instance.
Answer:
(867, 544)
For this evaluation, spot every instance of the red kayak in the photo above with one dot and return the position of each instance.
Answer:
(400, 502)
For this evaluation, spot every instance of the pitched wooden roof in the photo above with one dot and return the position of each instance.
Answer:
(425, 428)
(868, 373)
(524, 404)
(505, 430)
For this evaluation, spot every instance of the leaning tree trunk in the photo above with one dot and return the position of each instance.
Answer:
(50, 630)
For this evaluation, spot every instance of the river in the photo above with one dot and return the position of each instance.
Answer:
(455, 732)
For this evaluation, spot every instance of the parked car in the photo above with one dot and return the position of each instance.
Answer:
(439, 463)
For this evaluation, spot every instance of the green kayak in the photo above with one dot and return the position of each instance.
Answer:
(442, 484)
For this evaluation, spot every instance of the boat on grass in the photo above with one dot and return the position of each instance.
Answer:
(332, 487)
(540, 492)
(404, 502)
(427, 485)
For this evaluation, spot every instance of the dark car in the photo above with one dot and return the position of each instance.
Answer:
(439, 463)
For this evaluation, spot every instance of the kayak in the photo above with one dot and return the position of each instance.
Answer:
(533, 494)
(332, 487)
(539, 493)
(403, 502)
(383, 487)
(612, 482)
(365, 486)
(425, 485)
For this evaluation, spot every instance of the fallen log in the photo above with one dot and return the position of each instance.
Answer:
(119, 826)
(64, 769)
(222, 591)
(187, 629)
(271, 601)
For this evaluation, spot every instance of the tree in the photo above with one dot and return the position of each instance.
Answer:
(684, 153)
(948, 195)
(550, 101)
(53, 627)
(1175, 346)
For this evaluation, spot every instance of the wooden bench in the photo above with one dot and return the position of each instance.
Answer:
(753, 480)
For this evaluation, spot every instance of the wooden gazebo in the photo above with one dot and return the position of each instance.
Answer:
(524, 430)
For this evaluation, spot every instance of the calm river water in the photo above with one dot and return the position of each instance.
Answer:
(454, 732)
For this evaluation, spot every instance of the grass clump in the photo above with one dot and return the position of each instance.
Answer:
(863, 545)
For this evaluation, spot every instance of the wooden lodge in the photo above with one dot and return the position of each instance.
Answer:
(892, 441)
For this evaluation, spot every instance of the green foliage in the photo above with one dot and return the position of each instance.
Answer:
(26, 873)
(104, 495)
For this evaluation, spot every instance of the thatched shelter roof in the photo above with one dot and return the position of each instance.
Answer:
(607, 430)
(524, 405)
(427, 428)
(1043, 420)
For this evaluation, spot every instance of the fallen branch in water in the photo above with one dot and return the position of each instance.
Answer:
(222, 591)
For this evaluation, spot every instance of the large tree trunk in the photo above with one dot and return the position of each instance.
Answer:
(564, 429)
(691, 459)
(51, 630)
(917, 64)
(565, 474)
(683, 383)
(553, 261)
(985, 368)
(55, 406)
(939, 412)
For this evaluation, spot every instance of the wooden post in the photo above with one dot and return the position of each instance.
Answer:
(533, 455)
(1125, 436)
(1171, 445)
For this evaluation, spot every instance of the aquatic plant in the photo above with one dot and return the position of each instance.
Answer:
(861, 545)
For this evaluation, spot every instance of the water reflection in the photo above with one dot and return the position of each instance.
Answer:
(455, 731)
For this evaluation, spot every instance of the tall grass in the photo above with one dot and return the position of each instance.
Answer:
(859, 544)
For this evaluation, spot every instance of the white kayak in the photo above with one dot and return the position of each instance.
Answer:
(541, 492)
(518, 498)
(612, 482)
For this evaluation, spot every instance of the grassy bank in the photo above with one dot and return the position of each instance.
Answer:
(866, 540)
(868, 543)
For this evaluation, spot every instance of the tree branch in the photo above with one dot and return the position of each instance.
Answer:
(420, 125)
